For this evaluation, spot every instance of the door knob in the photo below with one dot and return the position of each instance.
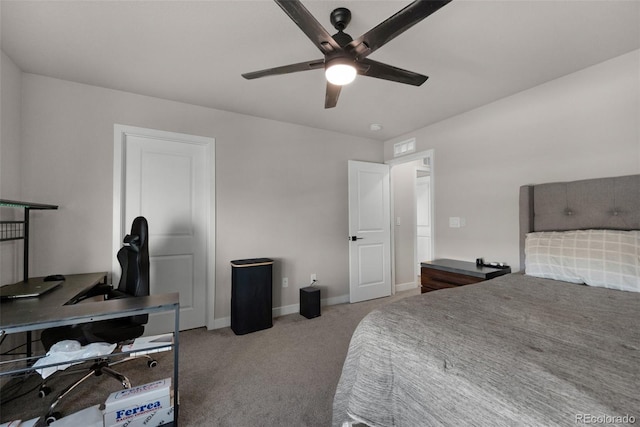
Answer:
(354, 238)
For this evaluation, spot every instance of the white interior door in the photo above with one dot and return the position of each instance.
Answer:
(165, 178)
(369, 231)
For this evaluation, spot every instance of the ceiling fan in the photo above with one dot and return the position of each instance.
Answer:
(345, 57)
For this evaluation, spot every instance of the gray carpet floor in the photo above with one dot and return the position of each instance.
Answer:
(282, 376)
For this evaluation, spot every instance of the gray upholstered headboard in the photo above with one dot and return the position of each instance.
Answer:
(612, 203)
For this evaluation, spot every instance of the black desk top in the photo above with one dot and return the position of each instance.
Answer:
(465, 267)
(48, 310)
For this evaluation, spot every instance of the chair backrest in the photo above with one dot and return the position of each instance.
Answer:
(134, 260)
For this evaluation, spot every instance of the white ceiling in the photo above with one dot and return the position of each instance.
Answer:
(474, 51)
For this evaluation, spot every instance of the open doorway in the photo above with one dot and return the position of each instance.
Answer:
(424, 249)
(412, 208)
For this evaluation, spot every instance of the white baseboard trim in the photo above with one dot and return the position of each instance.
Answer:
(222, 322)
(284, 310)
(225, 322)
(406, 286)
(342, 299)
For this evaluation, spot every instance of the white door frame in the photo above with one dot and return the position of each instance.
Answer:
(398, 161)
(119, 227)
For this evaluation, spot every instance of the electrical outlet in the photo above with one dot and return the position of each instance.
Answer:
(313, 277)
(285, 282)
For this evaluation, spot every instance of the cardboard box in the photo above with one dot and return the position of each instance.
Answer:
(130, 406)
(89, 417)
(19, 423)
(151, 419)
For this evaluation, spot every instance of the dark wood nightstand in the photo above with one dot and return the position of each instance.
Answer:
(450, 273)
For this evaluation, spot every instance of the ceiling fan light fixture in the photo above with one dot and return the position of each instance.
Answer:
(340, 72)
(344, 57)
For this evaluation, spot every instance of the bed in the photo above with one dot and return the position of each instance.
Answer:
(517, 350)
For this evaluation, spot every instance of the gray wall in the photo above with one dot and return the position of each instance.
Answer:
(281, 189)
(580, 126)
(10, 125)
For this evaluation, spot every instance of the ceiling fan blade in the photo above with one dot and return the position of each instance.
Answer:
(389, 72)
(331, 97)
(285, 69)
(394, 26)
(309, 25)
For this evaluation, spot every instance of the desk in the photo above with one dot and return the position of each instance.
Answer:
(56, 308)
(21, 314)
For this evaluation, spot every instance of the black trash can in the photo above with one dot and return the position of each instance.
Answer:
(310, 302)
(251, 296)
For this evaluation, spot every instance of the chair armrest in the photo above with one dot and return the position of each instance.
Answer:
(101, 289)
(116, 294)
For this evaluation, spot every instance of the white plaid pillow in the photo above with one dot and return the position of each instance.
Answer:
(604, 258)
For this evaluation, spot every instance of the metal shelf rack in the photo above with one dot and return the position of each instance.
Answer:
(19, 230)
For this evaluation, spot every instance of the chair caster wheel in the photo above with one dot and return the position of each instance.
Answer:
(44, 391)
(53, 417)
(152, 363)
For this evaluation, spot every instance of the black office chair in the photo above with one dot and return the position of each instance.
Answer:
(134, 282)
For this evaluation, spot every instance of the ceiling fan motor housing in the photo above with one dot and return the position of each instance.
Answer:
(342, 39)
(340, 18)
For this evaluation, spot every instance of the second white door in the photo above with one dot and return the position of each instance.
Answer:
(369, 231)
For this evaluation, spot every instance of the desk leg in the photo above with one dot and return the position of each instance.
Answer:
(29, 350)
(176, 352)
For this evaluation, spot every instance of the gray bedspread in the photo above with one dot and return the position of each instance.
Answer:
(512, 351)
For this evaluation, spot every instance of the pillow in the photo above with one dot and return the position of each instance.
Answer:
(603, 258)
